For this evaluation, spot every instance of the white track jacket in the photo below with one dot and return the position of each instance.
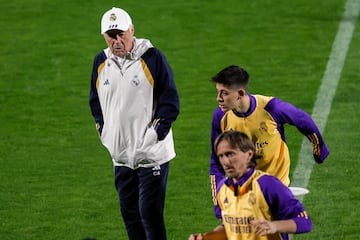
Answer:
(134, 101)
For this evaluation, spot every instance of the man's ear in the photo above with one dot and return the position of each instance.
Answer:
(132, 29)
(241, 92)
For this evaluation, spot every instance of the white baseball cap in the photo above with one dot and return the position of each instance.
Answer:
(115, 18)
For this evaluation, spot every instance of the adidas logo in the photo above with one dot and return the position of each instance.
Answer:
(107, 82)
(156, 170)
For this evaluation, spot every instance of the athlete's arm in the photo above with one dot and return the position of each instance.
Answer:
(216, 171)
(265, 227)
(284, 207)
(166, 98)
(93, 96)
(215, 166)
(284, 112)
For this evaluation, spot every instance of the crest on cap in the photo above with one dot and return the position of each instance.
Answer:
(113, 17)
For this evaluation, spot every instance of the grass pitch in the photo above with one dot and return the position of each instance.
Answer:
(56, 179)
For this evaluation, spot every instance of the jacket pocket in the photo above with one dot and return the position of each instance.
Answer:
(150, 138)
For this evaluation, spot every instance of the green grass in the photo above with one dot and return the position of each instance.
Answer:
(56, 179)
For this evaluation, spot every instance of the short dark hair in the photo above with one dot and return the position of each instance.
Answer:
(240, 141)
(232, 76)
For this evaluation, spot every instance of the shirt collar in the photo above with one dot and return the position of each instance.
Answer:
(230, 182)
(250, 110)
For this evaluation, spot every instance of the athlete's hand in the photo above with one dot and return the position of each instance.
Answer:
(150, 138)
(263, 227)
(197, 236)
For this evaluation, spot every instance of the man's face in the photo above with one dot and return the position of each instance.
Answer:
(227, 97)
(120, 42)
(234, 162)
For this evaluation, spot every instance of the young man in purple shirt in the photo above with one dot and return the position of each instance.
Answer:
(262, 118)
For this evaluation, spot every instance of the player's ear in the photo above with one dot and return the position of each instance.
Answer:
(241, 92)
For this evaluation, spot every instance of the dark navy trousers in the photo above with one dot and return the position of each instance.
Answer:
(142, 196)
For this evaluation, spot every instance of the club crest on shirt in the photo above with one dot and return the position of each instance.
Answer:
(135, 81)
(263, 127)
(251, 199)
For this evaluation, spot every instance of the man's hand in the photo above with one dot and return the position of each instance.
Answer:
(263, 227)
